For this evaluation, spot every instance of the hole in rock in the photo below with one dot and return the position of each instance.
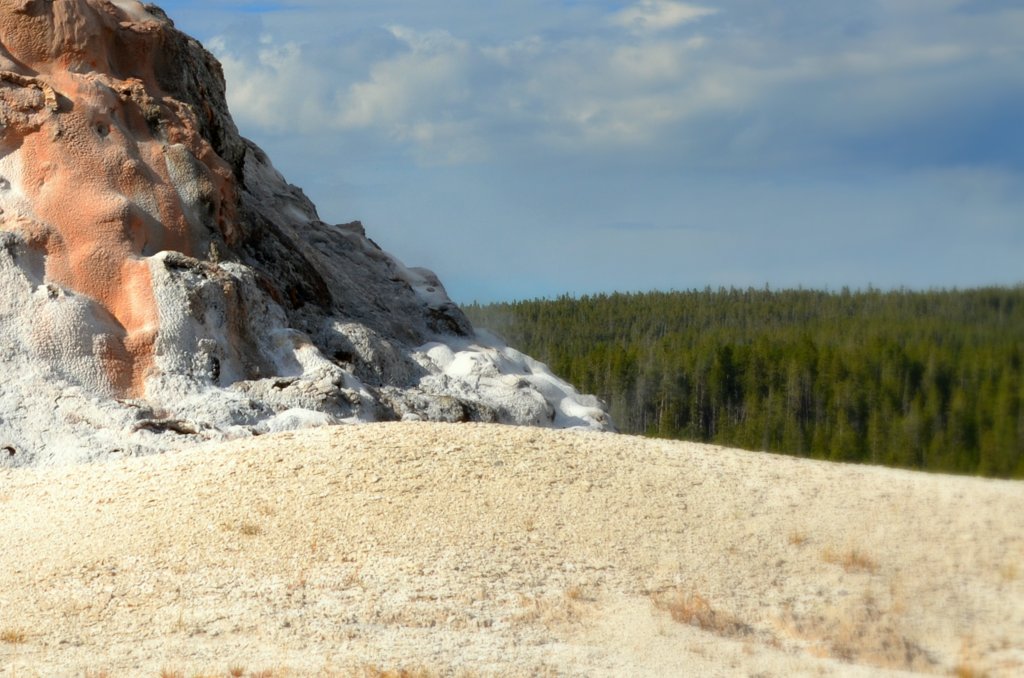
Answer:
(343, 356)
(9, 449)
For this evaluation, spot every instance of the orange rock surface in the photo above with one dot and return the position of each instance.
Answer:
(86, 128)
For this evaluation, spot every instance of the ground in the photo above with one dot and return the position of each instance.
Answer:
(484, 550)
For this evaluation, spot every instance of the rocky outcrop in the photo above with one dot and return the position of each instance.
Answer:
(162, 284)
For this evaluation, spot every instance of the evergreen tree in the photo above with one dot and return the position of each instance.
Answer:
(926, 380)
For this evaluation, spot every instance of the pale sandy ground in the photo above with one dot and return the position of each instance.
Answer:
(485, 550)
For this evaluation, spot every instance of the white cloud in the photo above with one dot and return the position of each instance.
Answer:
(410, 87)
(445, 97)
(659, 15)
(737, 93)
(422, 97)
(663, 61)
(274, 88)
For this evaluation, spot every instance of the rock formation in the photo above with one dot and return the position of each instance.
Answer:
(161, 283)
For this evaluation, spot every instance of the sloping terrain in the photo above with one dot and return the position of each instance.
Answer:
(487, 550)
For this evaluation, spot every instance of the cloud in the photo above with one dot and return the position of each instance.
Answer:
(989, 6)
(402, 88)
(451, 101)
(659, 15)
(274, 87)
(753, 89)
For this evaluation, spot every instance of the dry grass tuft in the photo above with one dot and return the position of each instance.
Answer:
(862, 630)
(968, 671)
(175, 673)
(12, 635)
(551, 611)
(250, 529)
(852, 560)
(693, 609)
(575, 593)
(967, 664)
(1009, 573)
(375, 672)
(798, 538)
(372, 671)
(236, 671)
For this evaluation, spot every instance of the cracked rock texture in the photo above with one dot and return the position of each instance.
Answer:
(162, 284)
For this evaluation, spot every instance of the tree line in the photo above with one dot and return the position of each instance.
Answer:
(930, 380)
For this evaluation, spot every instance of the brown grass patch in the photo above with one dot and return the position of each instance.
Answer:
(1009, 572)
(575, 593)
(967, 662)
(372, 671)
(375, 672)
(862, 630)
(12, 635)
(852, 560)
(551, 611)
(968, 671)
(798, 538)
(693, 609)
(250, 529)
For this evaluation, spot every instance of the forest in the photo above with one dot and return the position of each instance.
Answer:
(929, 380)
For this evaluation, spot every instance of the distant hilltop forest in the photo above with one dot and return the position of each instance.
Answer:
(921, 380)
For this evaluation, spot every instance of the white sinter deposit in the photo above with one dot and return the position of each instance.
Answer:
(162, 284)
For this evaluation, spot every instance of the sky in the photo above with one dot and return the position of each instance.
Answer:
(531, 148)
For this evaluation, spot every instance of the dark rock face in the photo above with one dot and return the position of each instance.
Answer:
(162, 284)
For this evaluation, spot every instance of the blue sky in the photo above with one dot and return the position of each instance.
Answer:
(527, 148)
